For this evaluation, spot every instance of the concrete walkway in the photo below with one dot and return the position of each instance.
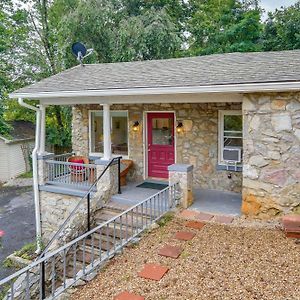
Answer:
(217, 202)
(16, 220)
(210, 201)
(132, 195)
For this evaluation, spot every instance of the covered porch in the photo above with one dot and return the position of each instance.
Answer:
(193, 130)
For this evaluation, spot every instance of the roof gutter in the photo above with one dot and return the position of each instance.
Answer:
(35, 173)
(226, 88)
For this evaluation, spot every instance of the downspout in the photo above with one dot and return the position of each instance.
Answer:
(35, 173)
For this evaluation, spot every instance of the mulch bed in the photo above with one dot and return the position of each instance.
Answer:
(220, 262)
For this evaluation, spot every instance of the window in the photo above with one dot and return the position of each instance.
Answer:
(230, 137)
(119, 132)
(162, 131)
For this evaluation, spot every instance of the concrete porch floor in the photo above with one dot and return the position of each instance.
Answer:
(210, 201)
(132, 195)
(217, 202)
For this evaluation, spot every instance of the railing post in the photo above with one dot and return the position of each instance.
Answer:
(89, 211)
(43, 280)
(119, 176)
(182, 174)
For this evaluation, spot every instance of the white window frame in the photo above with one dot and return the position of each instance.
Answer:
(90, 133)
(223, 113)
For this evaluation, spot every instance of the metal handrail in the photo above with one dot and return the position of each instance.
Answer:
(154, 207)
(71, 243)
(66, 163)
(86, 195)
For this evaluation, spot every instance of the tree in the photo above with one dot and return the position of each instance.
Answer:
(224, 26)
(43, 58)
(13, 33)
(282, 29)
(121, 30)
(151, 35)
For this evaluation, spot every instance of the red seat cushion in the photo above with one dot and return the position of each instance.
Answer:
(77, 161)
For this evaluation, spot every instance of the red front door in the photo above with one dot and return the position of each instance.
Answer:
(161, 151)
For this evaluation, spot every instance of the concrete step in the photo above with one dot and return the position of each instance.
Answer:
(116, 230)
(57, 189)
(107, 242)
(88, 255)
(105, 214)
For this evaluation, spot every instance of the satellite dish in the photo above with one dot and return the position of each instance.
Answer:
(80, 51)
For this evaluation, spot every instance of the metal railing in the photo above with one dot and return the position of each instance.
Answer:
(63, 157)
(86, 199)
(77, 175)
(58, 270)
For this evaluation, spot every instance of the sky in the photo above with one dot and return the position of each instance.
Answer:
(271, 5)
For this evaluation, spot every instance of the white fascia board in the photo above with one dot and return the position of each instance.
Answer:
(147, 99)
(237, 88)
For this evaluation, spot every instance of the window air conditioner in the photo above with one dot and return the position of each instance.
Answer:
(232, 154)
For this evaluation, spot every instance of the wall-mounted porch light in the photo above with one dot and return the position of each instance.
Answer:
(135, 126)
(179, 127)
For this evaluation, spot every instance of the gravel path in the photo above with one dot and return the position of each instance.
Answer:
(220, 263)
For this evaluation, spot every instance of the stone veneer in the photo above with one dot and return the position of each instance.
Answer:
(271, 154)
(80, 130)
(56, 207)
(197, 146)
(182, 175)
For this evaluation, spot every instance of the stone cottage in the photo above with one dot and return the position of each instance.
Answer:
(235, 117)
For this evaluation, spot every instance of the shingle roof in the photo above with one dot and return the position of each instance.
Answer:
(20, 130)
(217, 69)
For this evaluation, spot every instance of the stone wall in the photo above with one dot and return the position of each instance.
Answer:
(55, 209)
(182, 175)
(197, 146)
(80, 130)
(271, 154)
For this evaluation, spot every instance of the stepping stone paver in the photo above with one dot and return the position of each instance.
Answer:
(128, 296)
(170, 251)
(184, 235)
(204, 217)
(223, 219)
(293, 235)
(291, 226)
(194, 224)
(291, 220)
(189, 214)
(153, 271)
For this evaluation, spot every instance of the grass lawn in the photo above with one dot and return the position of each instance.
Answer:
(26, 175)
(220, 262)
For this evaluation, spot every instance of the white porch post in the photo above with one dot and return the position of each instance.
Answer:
(43, 129)
(106, 132)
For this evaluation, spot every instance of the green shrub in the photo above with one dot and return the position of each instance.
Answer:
(27, 251)
(165, 219)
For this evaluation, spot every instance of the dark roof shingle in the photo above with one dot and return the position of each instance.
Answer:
(21, 130)
(217, 69)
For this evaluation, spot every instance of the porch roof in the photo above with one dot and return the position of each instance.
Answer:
(231, 72)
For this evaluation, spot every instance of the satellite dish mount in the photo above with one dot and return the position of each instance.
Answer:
(80, 52)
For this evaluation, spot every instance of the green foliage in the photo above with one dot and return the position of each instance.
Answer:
(121, 31)
(151, 35)
(58, 127)
(4, 127)
(224, 26)
(3, 290)
(282, 29)
(27, 251)
(9, 263)
(26, 175)
(165, 219)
